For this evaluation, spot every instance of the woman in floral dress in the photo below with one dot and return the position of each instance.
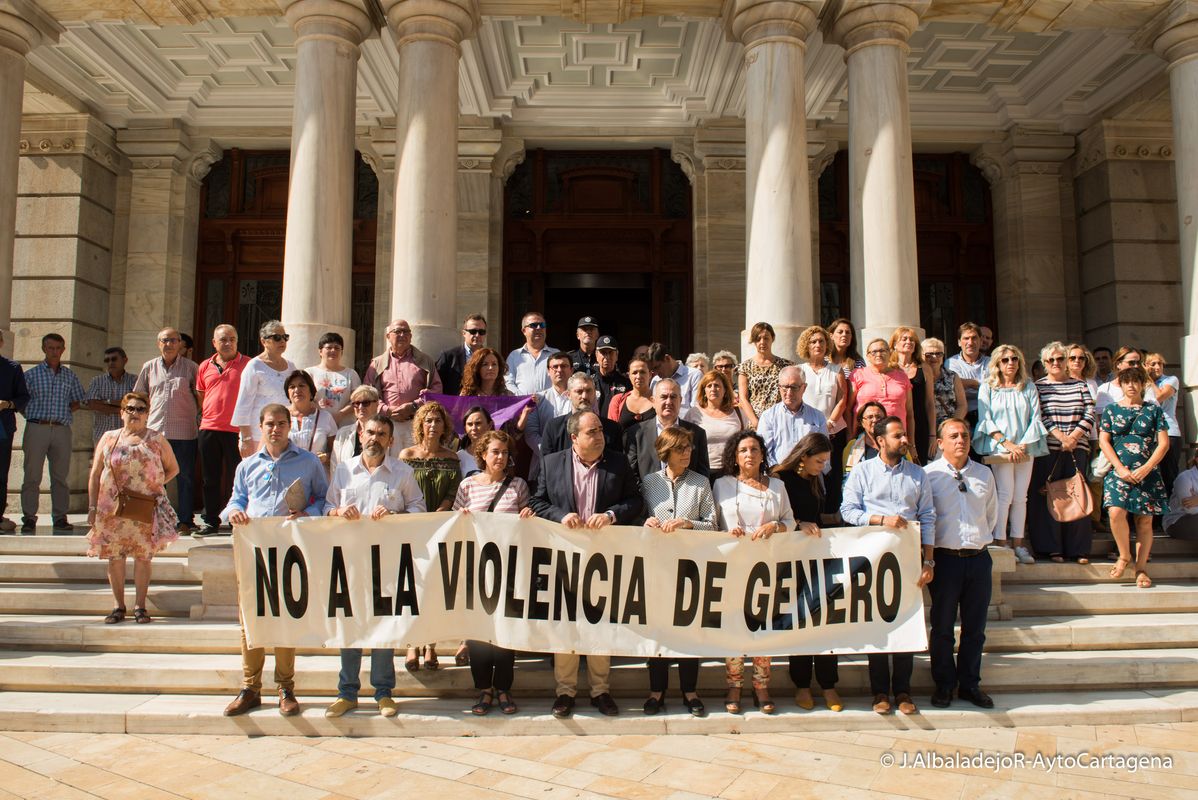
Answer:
(1134, 436)
(136, 459)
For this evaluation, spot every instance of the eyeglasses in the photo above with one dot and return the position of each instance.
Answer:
(878, 352)
(727, 367)
(476, 331)
(170, 340)
(535, 325)
(933, 354)
(401, 331)
(137, 409)
(279, 337)
(1010, 360)
(790, 387)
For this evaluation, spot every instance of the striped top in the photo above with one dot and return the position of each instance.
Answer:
(475, 495)
(1065, 407)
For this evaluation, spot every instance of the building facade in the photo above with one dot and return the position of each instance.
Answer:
(680, 170)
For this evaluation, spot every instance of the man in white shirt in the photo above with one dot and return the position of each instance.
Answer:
(1111, 392)
(554, 401)
(959, 562)
(526, 365)
(663, 365)
(374, 485)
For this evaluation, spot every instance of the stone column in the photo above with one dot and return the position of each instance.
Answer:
(778, 274)
(424, 261)
(378, 151)
(318, 256)
(821, 152)
(718, 168)
(882, 255)
(19, 33)
(1027, 175)
(479, 142)
(1178, 45)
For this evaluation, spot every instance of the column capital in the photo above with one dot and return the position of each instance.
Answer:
(446, 21)
(754, 22)
(169, 146)
(1177, 39)
(861, 23)
(70, 134)
(340, 20)
(1024, 152)
(24, 26)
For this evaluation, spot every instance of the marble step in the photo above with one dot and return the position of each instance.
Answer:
(53, 568)
(1161, 545)
(181, 635)
(92, 598)
(76, 545)
(422, 716)
(1109, 597)
(1164, 568)
(192, 673)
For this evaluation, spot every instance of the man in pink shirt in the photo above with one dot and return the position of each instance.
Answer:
(217, 382)
(400, 374)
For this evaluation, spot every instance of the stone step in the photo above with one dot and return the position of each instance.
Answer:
(201, 673)
(43, 544)
(92, 598)
(1109, 597)
(55, 568)
(182, 635)
(1164, 568)
(1161, 545)
(201, 715)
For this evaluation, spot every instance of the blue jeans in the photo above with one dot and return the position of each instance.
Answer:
(185, 453)
(382, 672)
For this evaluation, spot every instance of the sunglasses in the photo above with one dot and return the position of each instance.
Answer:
(1010, 360)
(535, 325)
(933, 354)
(137, 409)
(170, 340)
(878, 352)
(363, 403)
(1077, 358)
(476, 331)
(279, 337)
(1054, 360)
(111, 359)
(961, 487)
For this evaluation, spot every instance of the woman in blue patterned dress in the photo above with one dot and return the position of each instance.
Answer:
(1134, 436)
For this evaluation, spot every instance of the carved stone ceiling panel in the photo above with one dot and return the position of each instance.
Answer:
(644, 72)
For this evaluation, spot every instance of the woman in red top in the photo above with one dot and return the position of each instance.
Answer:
(878, 382)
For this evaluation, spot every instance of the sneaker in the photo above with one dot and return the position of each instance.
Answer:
(7, 525)
(1023, 556)
(207, 530)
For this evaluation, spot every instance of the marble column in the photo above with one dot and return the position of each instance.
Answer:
(1178, 44)
(882, 255)
(424, 256)
(318, 255)
(718, 173)
(778, 273)
(18, 35)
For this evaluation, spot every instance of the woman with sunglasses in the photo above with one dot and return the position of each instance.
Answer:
(1067, 410)
(879, 382)
(948, 393)
(364, 403)
(906, 353)
(139, 461)
(262, 383)
(1010, 433)
(724, 362)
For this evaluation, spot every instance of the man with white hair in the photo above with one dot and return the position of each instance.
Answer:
(640, 441)
(581, 391)
(784, 423)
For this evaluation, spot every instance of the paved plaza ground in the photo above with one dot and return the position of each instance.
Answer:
(821, 765)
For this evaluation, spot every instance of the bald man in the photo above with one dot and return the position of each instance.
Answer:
(400, 374)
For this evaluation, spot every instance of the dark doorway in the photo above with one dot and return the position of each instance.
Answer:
(605, 234)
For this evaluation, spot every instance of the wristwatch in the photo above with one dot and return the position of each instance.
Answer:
(929, 563)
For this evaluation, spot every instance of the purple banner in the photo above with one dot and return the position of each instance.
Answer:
(502, 409)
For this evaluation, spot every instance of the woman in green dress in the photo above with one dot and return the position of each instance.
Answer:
(438, 473)
(1134, 436)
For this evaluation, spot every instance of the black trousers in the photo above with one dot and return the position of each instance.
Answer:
(826, 670)
(5, 463)
(1047, 536)
(659, 674)
(961, 584)
(491, 666)
(834, 480)
(884, 680)
(218, 461)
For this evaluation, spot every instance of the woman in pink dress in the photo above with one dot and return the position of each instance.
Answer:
(132, 458)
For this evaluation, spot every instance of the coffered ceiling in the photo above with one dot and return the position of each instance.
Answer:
(643, 72)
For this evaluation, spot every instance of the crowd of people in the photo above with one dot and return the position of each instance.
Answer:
(973, 447)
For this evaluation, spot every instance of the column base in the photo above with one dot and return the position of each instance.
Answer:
(870, 332)
(433, 339)
(302, 350)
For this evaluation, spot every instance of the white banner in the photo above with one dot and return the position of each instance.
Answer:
(535, 585)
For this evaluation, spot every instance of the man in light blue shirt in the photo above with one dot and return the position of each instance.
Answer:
(889, 490)
(783, 424)
(260, 489)
(551, 403)
(663, 366)
(526, 372)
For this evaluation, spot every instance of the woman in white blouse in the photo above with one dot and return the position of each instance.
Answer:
(828, 391)
(715, 413)
(676, 498)
(262, 384)
(750, 503)
(312, 427)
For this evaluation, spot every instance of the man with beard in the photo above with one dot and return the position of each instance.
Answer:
(371, 485)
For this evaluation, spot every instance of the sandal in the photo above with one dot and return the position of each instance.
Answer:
(141, 616)
(1119, 568)
(117, 615)
(1082, 560)
(732, 700)
(1142, 580)
(483, 706)
(412, 662)
(766, 704)
(506, 704)
(430, 658)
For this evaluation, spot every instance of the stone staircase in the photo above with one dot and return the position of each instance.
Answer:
(1068, 645)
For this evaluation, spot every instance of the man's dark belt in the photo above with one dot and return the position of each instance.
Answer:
(963, 553)
(51, 422)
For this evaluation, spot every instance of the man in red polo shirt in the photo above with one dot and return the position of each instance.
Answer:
(217, 383)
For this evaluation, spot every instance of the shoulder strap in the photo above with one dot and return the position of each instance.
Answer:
(498, 494)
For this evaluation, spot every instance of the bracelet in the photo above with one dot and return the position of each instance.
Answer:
(91, 508)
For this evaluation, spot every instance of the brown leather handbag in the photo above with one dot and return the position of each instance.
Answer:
(132, 505)
(1068, 499)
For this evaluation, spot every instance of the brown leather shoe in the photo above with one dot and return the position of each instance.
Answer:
(288, 705)
(905, 704)
(245, 700)
(881, 704)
